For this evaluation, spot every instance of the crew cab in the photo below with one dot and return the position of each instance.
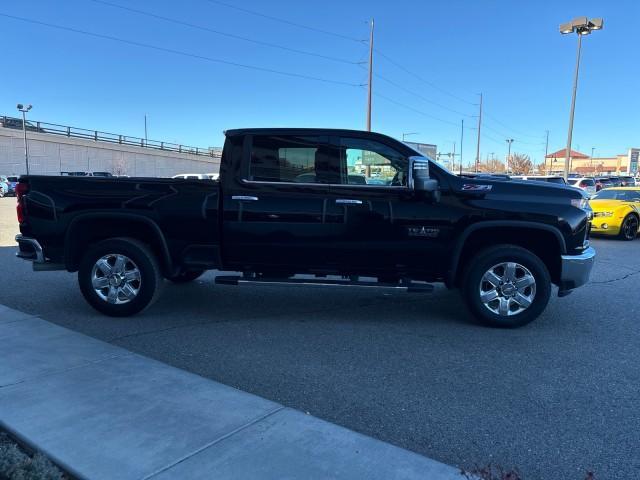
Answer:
(313, 206)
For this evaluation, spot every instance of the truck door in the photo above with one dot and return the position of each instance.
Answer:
(274, 208)
(381, 224)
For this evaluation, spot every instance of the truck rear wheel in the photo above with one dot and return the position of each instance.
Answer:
(119, 277)
(506, 286)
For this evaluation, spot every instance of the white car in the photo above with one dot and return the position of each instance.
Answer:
(197, 176)
(587, 184)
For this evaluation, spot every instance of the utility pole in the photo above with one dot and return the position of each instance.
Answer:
(479, 126)
(145, 128)
(461, 139)
(370, 77)
(546, 148)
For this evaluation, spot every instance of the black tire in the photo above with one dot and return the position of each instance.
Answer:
(140, 256)
(186, 276)
(483, 262)
(629, 228)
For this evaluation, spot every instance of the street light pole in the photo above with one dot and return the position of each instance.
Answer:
(24, 109)
(567, 156)
(581, 26)
(407, 134)
(509, 141)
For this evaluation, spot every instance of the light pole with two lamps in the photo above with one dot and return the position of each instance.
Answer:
(509, 141)
(581, 26)
(24, 109)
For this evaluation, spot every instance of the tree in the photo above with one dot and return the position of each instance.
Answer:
(520, 164)
(492, 165)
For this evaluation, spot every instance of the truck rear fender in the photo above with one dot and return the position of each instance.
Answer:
(90, 228)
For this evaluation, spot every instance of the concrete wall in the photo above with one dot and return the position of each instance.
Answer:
(51, 154)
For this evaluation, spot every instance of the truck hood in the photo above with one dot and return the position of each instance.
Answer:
(518, 189)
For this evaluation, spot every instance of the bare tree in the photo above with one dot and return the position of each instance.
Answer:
(119, 167)
(491, 166)
(520, 164)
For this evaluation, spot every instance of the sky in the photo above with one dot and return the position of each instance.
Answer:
(304, 64)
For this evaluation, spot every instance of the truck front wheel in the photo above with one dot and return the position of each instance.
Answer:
(506, 286)
(119, 277)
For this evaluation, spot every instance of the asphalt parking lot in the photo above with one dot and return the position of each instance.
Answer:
(553, 399)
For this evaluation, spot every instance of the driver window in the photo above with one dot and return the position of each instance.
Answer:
(367, 162)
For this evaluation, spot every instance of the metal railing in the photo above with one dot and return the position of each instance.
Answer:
(98, 136)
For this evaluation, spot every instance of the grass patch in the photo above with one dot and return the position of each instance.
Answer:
(16, 464)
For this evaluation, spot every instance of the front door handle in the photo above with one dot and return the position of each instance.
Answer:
(246, 198)
(348, 201)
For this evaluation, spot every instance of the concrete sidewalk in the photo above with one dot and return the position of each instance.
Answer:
(102, 412)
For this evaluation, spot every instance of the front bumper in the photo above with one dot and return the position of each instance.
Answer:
(29, 249)
(575, 269)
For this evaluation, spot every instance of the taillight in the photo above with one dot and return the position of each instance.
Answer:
(21, 191)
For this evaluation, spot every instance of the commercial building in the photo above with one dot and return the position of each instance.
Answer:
(624, 163)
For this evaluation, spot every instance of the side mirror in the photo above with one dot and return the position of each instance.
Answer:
(419, 179)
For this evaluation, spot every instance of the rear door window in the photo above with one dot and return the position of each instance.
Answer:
(293, 159)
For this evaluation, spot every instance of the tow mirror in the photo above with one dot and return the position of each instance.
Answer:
(419, 177)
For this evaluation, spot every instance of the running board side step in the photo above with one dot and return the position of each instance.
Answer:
(409, 286)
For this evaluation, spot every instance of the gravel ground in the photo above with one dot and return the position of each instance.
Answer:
(553, 399)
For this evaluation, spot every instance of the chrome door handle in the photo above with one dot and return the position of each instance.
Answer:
(246, 198)
(349, 201)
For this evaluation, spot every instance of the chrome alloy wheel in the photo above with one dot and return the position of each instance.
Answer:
(507, 288)
(116, 279)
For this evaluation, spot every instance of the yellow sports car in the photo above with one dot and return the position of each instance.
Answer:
(616, 211)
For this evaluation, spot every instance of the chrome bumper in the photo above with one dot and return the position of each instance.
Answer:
(576, 269)
(29, 249)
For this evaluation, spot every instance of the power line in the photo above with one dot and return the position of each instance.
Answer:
(408, 107)
(180, 52)
(515, 136)
(287, 22)
(397, 85)
(218, 32)
(426, 82)
(511, 128)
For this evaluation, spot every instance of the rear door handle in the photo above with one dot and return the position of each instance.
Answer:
(246, 198)
(348, 201)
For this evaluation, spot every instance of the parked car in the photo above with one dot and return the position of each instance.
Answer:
(9, 187)
(587, 184)
(542, 178)
(4, 187)
(628, 181)
(101, 174)
(13, 181)
(615, 181)
(603, 182)
(487, 237)
(75, 174)
(10, 122)
(193, 176)
(616, 211)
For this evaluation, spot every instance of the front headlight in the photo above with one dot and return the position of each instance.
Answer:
(603, 214)
(582, 203)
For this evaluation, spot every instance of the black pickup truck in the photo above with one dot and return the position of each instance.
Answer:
(313, 206)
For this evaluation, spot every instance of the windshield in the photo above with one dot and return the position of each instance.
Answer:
(622, 195)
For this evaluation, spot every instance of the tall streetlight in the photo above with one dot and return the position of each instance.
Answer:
(509, 141)
(24, 109)
(593, 149)
(581, 26)
(408, 133)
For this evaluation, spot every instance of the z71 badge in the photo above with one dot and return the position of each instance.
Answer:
(476, 187)
(428, 232)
